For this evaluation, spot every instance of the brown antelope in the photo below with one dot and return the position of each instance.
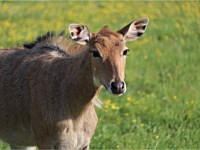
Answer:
(48, 88)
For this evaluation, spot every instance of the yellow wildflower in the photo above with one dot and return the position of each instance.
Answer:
(113, 106)
(126, 114)
(174, 97)
(129, 99)
(134, 121)
(157, 137)
(177, 25)
(107, 103)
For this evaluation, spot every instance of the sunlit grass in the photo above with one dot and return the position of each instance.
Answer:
(161, 107)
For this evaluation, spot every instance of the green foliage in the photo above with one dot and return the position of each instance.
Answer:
(161, 107)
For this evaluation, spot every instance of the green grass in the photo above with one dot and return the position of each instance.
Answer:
(161, 109)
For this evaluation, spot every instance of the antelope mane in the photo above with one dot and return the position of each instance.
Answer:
(60, 42)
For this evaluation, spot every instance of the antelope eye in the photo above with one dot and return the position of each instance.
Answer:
(125, 52)
(95, 54)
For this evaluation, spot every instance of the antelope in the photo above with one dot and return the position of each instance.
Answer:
(49, 87)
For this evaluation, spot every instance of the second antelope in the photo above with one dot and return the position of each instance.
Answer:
(48, 88)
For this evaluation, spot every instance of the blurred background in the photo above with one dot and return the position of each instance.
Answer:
(161, 108)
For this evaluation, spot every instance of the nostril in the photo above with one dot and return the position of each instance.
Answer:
(122, 85)
(114, 86)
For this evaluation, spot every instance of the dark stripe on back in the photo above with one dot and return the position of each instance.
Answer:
(42, 38)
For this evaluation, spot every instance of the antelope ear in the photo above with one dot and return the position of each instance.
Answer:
(135, 29)
(79, 33)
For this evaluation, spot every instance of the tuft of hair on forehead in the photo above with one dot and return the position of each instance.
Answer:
(105, 31)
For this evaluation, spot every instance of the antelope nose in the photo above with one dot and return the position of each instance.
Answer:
(118, 87)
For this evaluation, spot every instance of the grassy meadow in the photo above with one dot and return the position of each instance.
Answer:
(161, 108)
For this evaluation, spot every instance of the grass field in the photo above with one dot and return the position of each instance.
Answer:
(161, 109)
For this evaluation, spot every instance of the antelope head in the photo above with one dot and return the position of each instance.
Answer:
(109, 51)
